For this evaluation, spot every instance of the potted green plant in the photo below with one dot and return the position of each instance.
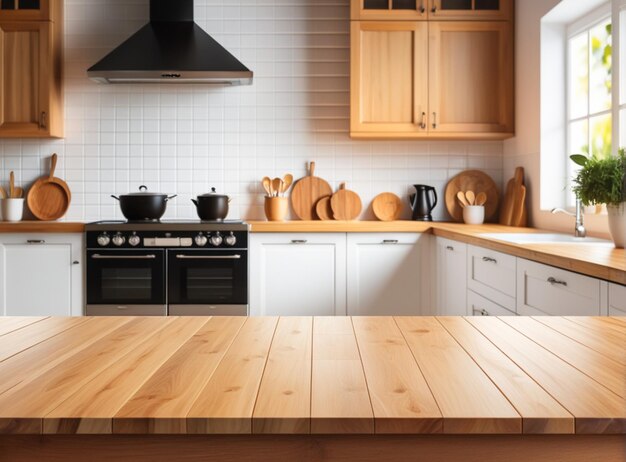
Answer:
(603, 181)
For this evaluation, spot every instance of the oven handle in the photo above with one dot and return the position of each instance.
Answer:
(123, 257)
(208, 257)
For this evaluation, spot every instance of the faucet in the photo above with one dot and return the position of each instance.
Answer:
(579, 230)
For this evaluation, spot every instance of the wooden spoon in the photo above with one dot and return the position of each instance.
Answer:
(471, 197)
(276, 186)
(461, 197)
(287, 182)
(267, 185)
(3, 193)
(481, 198)
(12, 185)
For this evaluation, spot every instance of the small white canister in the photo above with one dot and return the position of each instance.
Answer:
(12, 209)
(474, 214)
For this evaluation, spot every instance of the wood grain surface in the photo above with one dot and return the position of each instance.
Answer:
(346, 204)
(312, 376)
(387, 207)
(307, 192)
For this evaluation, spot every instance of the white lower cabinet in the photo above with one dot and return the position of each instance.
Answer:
(385, 276)
(545, 290)
(493, 275)
(478, 305)
(297, 274)
(451, 299)
(41, 275)
(617, 300)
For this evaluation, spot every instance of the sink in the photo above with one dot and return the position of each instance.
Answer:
(544, 238)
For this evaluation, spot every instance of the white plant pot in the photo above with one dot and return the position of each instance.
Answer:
(617, 224)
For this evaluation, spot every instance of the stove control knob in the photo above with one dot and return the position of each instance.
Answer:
(201, 240)
(103, 240)
(118, 240)
(134, 240)
(216, 240)
(230, 240)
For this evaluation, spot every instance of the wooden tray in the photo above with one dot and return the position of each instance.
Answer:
(476, 181)
(387, 207)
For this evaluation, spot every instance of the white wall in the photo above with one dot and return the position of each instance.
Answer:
(524, 149)
(185, 139)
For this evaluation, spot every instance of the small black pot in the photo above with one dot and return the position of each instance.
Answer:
(143, 205)
(212, 206)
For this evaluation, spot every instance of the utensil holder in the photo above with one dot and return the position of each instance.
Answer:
(474, 214)
(276, 208)
(12, 209)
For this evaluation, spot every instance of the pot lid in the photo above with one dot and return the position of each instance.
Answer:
(143, 192)
(213, 193)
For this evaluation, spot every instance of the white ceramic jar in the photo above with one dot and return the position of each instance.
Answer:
(12, 209)
(474, 214)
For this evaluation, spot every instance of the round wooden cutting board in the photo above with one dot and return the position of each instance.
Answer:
(49, 198)
(346, 204)
(324, 210)
(387, 207)
(472, 180)
(307, 192)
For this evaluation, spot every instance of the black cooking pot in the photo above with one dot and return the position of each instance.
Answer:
(143, 205)
(212, 206)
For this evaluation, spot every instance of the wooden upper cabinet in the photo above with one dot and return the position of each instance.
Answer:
(471, 77)
(31, 84)
(467, 10)
(389, 85)
(414, 10)
(29, 10)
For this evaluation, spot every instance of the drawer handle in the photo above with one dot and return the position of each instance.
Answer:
(450, 248)
(35, 241)
(299, 241)
(555, 281)
(490, 260)
(423, 122)
(391, 241)
(481, 312)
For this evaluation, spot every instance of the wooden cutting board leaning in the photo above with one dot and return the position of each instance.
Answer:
(514, 211)
(49, 198)
(387, 207)
(346, 204)
(477, 182)
(307, 192)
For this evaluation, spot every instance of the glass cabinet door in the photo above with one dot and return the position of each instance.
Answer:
(25, 10)
(471, 9)
(389, 9)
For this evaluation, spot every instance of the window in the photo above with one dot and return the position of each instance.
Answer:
(589, 88)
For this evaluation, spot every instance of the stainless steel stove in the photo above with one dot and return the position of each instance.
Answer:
(171, 267)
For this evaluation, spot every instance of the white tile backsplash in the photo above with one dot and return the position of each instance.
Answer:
(186, 139)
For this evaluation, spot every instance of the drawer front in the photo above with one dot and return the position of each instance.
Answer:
(617, 300)
(480, 306)
(493, 275)
(544, 290)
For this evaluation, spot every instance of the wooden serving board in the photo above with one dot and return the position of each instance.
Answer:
(346, 204)
(513, 212)
(50, 197)
(387, 207)
(324, 210)
(472, 180)
(307, 192)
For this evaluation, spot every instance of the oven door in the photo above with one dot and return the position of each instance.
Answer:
(126, 282)
(208, 282)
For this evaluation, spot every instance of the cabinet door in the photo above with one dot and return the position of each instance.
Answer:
(297, 274)
(389, 10)
(41, 275)
(26, 10)
(478, 10)
(389, 78)
(451, 278)
(492, 275)
(544, 290)
(478, 305)
(384, 275)
(471, 77)
(617, 300)
(25, 79)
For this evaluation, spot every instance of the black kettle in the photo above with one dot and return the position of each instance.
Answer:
(423, 202)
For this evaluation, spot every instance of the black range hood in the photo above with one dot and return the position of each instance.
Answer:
(171, 48)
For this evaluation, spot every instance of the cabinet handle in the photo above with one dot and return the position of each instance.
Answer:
(208, 257)
(481, 312)
(75, 262)
(35, 241)
(42, 120)
(391, 241)
(434, 8)
(555, 281)
(490, 260)
(450, 248)
(422, 8)
(299, 241)
(423, 122)
(434, 120)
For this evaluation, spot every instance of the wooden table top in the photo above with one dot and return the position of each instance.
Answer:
(302, 375)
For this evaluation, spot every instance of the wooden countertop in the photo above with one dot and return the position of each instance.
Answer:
(600, 261)
(302, 375)
(41, 227)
